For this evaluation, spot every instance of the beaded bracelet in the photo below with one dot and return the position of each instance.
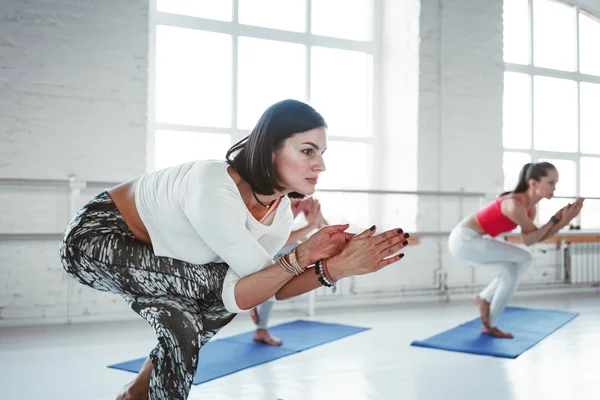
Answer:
(320, 270)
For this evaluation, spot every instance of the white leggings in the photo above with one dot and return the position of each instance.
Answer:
(264, 312)
(510, 261)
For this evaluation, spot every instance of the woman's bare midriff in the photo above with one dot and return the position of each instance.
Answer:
(471, 222)
(123, 196)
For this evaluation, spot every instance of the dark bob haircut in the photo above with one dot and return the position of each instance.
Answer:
(252, 156)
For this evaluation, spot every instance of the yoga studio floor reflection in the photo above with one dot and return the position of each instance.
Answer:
(70, 362)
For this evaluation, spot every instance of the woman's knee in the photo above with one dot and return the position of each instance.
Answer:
(68, 257)
(514, 270)
(526, 260)
(185, 344)
(70, 252)
(512, 273)
(85, 270)
(180, 330)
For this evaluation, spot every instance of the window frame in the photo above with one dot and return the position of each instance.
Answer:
(531, 70)
(236, 29)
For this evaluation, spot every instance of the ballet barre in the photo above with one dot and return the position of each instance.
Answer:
(574, 236)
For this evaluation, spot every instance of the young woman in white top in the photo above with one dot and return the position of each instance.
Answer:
(190, 246)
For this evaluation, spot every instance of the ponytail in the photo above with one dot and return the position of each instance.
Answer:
(524, 177)
(529, 171)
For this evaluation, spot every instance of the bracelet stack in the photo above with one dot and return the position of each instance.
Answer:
(289, 262)
(324, 277)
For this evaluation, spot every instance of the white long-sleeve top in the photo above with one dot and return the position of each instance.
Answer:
(194, 212)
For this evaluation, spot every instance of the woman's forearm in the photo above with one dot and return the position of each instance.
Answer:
(323, 221)
(553, 231)
(257, 288)
(538, 235)
(298, 285)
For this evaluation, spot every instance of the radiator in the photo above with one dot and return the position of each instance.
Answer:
(583, 262)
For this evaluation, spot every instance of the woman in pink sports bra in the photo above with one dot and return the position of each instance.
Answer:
(472, 239)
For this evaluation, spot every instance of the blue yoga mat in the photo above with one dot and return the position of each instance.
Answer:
(528, 326)
(225, 356)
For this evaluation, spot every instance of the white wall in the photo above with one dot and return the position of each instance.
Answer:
(73, 82)
(460, 114)
(73, 100)
(444, 88)
(591, 6)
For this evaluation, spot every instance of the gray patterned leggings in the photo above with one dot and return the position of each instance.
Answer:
(181, 301)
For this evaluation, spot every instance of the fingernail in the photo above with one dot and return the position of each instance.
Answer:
(401, 255)
(372, 228)
(405, 242)
(406, 236)
(400, 231)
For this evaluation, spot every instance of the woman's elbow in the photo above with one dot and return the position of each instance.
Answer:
(527, 241)
(231, 304)
(280, 296)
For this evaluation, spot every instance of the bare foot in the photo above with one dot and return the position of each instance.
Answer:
(484, 310)
(138, 388)
(254, 316)
(496, 333)
(263, 336)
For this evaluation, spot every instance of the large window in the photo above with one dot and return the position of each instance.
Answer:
(552, 97)
(218, 64)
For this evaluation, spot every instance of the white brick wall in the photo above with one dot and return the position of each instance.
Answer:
(73, 88)
(400, 93)
(470, 111)
(73, 100)
(443, 84)
(73, 83)
(400, 98)
(448, 93)
(461, 85)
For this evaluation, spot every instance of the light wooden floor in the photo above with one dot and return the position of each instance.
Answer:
(69, 362)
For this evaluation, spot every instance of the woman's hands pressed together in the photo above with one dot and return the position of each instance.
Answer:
(366, 253)
(327, 242)
(570, 211)
(348, 254)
